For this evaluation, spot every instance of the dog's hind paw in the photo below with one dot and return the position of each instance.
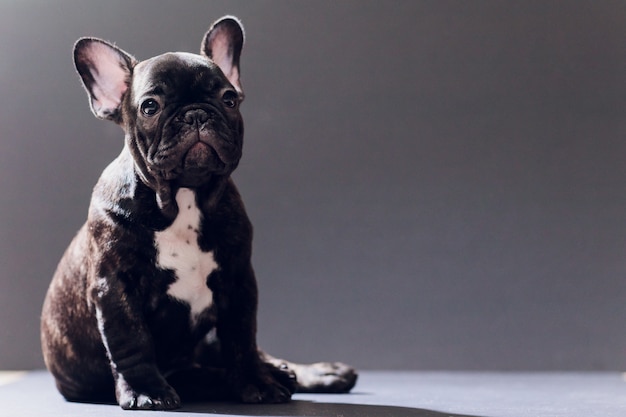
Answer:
(324, 377)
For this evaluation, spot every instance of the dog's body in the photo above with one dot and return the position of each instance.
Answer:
(156, 296)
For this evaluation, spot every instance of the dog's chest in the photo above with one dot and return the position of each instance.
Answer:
(178, 250)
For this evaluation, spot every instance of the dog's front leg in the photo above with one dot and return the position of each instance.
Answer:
(252, 380)
(129, 346)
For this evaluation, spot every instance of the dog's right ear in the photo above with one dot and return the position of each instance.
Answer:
(106, 71)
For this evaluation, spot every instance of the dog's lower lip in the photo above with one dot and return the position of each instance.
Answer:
(201, 158)
(198, 153)
(199, 147)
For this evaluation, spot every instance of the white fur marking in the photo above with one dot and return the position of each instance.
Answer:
(178, 250)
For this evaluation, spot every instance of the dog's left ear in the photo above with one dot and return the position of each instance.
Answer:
(223, 44)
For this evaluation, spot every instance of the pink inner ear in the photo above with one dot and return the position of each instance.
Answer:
(109, 78)
(223, 57)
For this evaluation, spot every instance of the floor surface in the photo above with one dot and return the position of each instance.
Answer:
(377, 394)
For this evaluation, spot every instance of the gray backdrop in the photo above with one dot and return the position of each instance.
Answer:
(434, 184)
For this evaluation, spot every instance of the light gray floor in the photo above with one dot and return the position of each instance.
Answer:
(424, 394)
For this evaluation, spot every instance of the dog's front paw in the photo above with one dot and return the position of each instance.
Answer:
(324, 377)
(285, 376)
(270, 385)
(161, 398)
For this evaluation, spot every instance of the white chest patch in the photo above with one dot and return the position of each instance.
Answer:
(178, 250)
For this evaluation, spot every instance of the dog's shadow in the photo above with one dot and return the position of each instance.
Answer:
(306, 408)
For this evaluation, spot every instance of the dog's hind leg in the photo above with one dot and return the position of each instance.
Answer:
(319, 377)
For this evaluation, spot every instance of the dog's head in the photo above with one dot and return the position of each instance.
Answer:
(180, 111)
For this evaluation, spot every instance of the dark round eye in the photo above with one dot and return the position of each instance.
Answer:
(150, 107)
(230, 99)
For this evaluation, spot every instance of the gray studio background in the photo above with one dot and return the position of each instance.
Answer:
(434, 184)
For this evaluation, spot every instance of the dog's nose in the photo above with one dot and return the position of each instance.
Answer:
(196, 116)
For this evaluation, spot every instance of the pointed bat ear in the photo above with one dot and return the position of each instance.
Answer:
(105, 71)
(222, 44)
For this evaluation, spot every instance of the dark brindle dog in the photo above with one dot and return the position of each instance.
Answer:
(155, 299)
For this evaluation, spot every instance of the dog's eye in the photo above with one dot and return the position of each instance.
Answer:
(150, 107)
(230, 99)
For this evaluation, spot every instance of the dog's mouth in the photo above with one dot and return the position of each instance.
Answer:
(199, 164)
(202, 157)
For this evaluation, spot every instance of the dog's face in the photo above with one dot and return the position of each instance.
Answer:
(180, 111)
(183, 116)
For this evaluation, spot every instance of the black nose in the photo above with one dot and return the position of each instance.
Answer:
(195, 116)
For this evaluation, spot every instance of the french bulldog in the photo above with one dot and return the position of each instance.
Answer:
(155, 298)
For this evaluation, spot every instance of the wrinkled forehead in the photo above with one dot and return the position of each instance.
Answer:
(176, 71)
